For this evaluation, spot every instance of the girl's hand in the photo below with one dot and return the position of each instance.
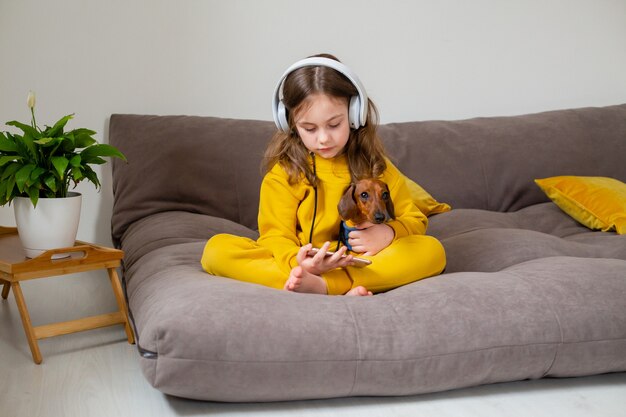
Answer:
(371, 239)
(320, 263)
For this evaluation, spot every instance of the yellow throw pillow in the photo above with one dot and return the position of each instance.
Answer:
(597, 202)
(424, 201)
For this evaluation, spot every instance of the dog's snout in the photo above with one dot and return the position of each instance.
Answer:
(379, 217)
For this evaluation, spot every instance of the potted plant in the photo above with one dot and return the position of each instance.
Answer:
(37, 169)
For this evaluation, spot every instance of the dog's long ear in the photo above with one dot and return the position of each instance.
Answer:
(347, 205)
(389, 205)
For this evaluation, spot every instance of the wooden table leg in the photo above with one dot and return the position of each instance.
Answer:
(5, 288)
(121, 302)
(28, 328)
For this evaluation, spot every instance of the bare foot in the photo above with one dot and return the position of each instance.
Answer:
(359, 291)
(302, 281)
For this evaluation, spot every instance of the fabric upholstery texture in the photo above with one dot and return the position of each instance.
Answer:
(528, 292)
(424, 201)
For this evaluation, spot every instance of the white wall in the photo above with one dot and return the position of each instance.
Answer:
(418, 59)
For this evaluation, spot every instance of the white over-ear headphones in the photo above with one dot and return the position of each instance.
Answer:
(357, 111)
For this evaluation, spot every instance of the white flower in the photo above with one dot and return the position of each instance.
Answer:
(30, 101)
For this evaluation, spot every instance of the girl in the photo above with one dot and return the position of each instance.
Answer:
(326, 140)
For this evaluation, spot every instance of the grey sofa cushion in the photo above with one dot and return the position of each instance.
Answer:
(481, 240)
(220, 339)
(527, 291)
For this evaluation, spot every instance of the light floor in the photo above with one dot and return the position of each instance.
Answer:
(96, 373)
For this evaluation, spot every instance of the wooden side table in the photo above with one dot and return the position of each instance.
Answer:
(15, 267)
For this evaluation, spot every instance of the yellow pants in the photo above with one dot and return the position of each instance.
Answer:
(406, 260)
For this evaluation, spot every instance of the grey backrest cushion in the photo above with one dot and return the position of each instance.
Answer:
(490, 163)
(211, 165)
(197, 164)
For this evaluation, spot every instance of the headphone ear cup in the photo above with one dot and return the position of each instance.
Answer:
(281, 114)
(354, 113)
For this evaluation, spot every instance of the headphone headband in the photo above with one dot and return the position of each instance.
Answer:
(357, 111)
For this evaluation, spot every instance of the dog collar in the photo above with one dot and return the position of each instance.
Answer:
(350, 224)
(344, 232)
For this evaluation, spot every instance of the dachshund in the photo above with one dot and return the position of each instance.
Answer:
(364, 200)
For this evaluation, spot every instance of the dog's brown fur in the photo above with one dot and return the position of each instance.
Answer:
(366, 200)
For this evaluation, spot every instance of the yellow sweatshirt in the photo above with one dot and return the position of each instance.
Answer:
(286, 211)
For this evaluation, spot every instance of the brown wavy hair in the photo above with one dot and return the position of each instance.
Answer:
(364, 149)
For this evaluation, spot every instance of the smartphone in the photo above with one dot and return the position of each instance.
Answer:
(358, 262)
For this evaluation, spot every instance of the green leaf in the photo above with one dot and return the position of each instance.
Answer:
(91, 176)
(57, 129)
(6, 159)
(36, 173)
(68, 142)
(51, 182)
(27, 129)
(48, 141)
(101, 150)
(3, 193)
(95, 160)
(83, 137)
(10, 186)
(10, 170)
(25, 146)
(22, 175)
(60, 164)
(75, 161)
(33, 193)
(77, 174)
(6, 145)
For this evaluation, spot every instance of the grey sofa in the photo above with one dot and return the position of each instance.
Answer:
(527, 291)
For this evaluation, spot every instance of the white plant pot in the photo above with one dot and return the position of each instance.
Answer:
(52, 224)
